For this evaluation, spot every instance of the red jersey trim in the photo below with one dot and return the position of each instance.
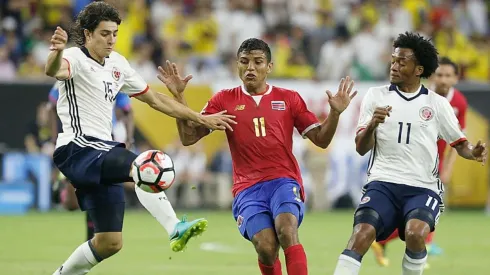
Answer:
(142, 92)
(458, 142)
(360, 130)
(69, 70)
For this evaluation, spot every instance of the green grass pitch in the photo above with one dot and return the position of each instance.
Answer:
(37, 244)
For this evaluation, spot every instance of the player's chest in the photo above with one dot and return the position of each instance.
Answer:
(248, 108)
(409, 122)
(104, 81)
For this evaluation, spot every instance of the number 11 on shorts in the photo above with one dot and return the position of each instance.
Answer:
(429, 201)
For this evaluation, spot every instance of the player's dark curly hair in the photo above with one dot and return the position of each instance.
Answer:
(255, 44)
(446, 61)
(424, 51)
(90, 17)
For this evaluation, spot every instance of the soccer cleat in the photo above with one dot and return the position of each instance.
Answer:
(185, 230)
(379, 253)
(433, 250)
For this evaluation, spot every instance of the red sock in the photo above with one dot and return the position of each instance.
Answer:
(429, 238)
(271, 270)
(393, 236)
(296, 260)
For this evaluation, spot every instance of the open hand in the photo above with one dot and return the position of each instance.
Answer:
(170, 76)
(342, 98)
(219, 121)
(480, 152)
(58, 40)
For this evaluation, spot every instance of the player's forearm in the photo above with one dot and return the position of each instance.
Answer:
(53, 64)
(365, 140)
(464, 149)
(189, 132)
(327, 130)
(169, 106)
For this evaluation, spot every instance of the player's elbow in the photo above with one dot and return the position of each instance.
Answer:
(49, 72)
(188, 142)
(323, 145)
(361, 150)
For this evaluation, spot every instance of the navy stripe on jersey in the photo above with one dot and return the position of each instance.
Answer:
(423, 91)
(371, 158)
(435, 171)
(73, 107)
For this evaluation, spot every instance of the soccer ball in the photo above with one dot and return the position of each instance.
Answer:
(153, 171)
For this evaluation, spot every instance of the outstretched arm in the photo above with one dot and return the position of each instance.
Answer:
(322, 136)
(56, 66)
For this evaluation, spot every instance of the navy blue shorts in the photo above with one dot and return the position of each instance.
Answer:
(393, 202)
(256, 207)
(81, 163)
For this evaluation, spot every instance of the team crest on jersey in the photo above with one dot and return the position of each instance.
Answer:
(278, 105)
(116, 74)
(426, 113)
(239, 220)
(365, 200)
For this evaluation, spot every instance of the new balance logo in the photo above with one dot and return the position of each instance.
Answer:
(240, 108)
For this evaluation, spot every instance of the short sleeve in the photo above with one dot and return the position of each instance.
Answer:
(366, 112)
(449, 128)
(54, 94)
(134, 84)
(74, 57)
(304, 119)
(214, 105)
(123, 102)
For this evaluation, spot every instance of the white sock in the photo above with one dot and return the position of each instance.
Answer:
(159, 207)
(412, 266)
(347, 266)
(80, 262)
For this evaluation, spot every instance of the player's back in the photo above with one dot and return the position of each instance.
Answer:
(261, 142)
(86, 98)
(405, 150)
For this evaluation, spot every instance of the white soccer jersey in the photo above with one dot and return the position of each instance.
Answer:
(405, 150)
(86, 100)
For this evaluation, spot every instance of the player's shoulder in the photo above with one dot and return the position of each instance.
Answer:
(74, 52)
(117, 58)
(459, 97)
(379, 91)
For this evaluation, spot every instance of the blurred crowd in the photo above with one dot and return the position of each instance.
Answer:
(310, 39)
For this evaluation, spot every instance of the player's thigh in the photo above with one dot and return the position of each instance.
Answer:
(105, 205)
(377, 209)
(251, 213)
(286, 205)
(424, 207)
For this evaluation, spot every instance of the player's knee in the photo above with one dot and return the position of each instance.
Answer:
(267, 249)
(108, 243)
(415, 232)
(364, 233)
(367, 223)
(287, 228)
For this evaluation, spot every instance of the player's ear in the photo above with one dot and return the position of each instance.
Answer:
(269, 67)
(419, 70)
(86, 33)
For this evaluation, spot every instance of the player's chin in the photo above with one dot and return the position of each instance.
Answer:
(395, 80)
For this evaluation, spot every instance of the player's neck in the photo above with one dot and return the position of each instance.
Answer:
(257, 90)
(409, 87)
(94, 56)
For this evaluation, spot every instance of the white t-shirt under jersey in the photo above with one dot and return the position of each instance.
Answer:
(85, 105)
(405, 150)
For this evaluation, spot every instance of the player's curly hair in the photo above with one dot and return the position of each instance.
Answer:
(255, 44)
(424, 51)
(90, 17)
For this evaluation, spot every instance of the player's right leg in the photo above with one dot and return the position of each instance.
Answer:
(374, 219)
(255, 223)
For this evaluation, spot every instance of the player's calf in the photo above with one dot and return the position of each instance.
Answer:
(107, 244)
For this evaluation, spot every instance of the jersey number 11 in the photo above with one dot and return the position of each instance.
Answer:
(400, 132)
(259, 123)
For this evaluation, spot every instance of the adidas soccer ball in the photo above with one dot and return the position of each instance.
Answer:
(153, 171)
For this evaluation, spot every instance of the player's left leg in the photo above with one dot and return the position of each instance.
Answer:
(116, 167)
(421, 212)
(288, 210)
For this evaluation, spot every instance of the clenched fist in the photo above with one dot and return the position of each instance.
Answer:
(58, 40)
(379, 116)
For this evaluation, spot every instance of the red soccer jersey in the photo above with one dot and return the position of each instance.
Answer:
(261, 143)
(459, 104)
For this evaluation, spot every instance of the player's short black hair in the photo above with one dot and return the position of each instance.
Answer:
(446, 61)
(255, 44)
(90, 17)
(424, 51)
